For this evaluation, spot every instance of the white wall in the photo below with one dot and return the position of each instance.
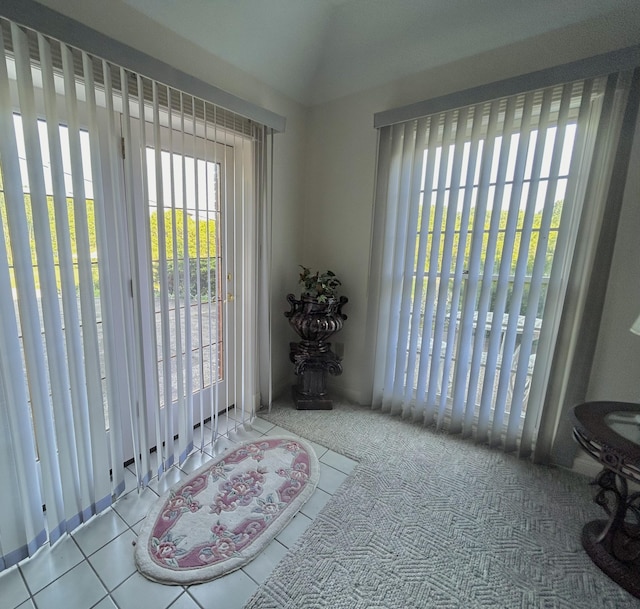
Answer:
(117, 20)
(339, 185)
(616, 368)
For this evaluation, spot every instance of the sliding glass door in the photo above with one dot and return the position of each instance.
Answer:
(183, 235)
(133, 218)
(186, 261)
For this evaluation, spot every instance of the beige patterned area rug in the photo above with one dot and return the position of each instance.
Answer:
(226, 512)
(429, 520)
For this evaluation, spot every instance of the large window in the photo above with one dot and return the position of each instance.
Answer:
(477, 214)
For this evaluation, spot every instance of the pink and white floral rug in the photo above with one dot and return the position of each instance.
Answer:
(226, 512)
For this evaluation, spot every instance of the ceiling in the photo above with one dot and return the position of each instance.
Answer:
(317, 50)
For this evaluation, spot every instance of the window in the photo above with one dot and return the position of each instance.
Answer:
(476, 221)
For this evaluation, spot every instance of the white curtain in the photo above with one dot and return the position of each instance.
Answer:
(118, 332)
(475, 227)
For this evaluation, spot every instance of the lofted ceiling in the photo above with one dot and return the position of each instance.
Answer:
(317, 50)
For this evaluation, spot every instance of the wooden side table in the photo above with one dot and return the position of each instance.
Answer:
(610, 433)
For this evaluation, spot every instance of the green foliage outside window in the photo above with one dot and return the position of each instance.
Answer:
(201, 247)
(464, 233)
(93, 248)
(202, 278)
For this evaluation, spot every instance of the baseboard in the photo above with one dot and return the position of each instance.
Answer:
(585, 465)
(349, 395)
(282, 387)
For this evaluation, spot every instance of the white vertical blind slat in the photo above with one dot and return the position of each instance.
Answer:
(414, 264)
(163, 417)
(138, 411)
(20, 537)
(122, 388)
(150, 408)
(388, 152)
(226, 238)
(436, 305)
(177, 165)
(154, 406)
(74, 352)
(243, 332)
(233, 284)
(404, 271)
(237, 283)
(390, 272)
(60, 401)
(476, 287)
(264, 283)
(214, 397)
(185, 442)
(98, 441)
(210, 405)
(177, 303)
(425, 283)
(197, 199)
(29, 318)
(466, 328)
(447, 268)
(218, 291)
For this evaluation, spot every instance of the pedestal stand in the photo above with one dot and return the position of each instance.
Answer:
(312, 363)
(312, 357)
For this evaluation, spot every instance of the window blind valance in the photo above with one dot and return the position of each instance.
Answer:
(142, 87)
(53, 24)
(592, 67)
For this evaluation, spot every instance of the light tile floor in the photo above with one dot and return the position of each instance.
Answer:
(94, 569)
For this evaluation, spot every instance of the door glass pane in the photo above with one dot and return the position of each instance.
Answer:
(189, 204)
(71, 227)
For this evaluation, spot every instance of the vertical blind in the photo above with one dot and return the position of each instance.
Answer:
(476, 220)
(134, 246)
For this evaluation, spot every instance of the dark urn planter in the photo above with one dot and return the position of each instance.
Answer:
(314, 322)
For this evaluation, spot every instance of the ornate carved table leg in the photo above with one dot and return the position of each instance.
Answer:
(614, 544)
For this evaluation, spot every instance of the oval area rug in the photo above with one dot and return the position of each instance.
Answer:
(226, 512)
